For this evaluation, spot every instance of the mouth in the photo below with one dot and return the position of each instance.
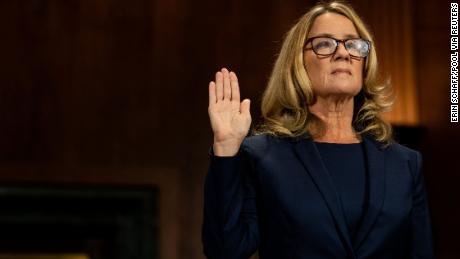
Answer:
(341, 71)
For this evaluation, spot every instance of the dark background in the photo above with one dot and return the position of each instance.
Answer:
(112, 92)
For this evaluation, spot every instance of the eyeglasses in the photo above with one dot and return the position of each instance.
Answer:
(325, 46)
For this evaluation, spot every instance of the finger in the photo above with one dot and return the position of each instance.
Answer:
(246, 107)
(212, 93)
(235, 88)
(227, 87)
(219, 86)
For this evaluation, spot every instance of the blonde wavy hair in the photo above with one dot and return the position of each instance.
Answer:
(289, 91)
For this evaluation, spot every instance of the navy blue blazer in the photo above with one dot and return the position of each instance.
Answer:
(276, 196)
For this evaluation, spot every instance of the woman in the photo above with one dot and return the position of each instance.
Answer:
(322, 178)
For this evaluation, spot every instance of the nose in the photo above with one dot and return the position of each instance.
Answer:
(341, 52)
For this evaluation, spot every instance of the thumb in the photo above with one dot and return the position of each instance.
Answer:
(245, 106)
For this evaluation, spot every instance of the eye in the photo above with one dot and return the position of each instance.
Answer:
(357, 44)
(357, 47)
(323, 43)
(353, 44)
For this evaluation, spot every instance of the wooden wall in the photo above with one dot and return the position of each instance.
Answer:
(440, 145)
(115, 92)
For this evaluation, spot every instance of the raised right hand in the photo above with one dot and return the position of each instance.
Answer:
(230, 119)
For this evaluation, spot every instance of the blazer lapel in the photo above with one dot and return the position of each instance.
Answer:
(376, 179)
(307, 152)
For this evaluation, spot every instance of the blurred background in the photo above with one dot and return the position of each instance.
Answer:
(104, 131)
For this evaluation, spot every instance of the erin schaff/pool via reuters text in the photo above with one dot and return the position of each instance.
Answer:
(454, 62)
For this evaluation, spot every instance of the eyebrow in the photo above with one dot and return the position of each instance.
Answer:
(347, 36)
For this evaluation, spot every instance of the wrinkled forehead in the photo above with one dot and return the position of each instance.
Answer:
(333, 25)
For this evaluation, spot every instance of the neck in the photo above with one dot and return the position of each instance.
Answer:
(336, 117)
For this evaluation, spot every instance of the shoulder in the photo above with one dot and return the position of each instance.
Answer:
(411, 156)
(403, 151)
(258, 145)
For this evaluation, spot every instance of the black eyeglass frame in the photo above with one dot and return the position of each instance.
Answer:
(337, 41)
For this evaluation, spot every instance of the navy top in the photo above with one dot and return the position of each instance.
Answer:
(346, 166)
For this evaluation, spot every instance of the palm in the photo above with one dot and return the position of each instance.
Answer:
(230, 119)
